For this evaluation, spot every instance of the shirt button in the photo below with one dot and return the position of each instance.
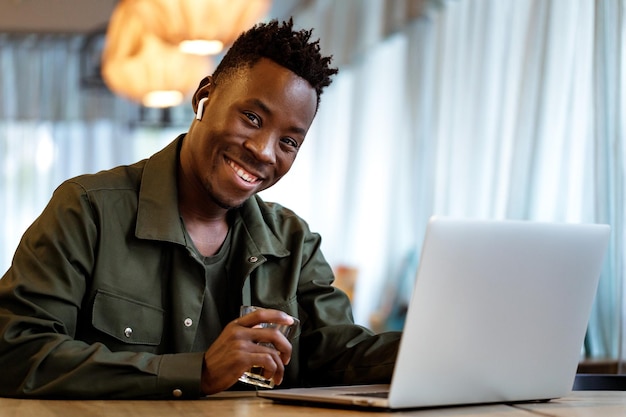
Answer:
(188, 322)
(177, 393)
(128, 332)
(253, 259)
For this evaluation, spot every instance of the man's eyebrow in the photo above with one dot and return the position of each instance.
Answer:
(263, 106)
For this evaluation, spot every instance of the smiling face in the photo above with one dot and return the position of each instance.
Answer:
(252, 127)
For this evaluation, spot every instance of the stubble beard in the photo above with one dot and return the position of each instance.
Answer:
(221, 203)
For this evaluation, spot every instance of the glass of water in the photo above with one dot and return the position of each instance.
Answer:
(255, 375)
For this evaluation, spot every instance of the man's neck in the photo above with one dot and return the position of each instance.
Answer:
(207, 235)
(205, 221)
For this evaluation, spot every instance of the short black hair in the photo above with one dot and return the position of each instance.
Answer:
(285, 46)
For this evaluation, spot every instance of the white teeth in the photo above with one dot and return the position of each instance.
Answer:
(242, 174)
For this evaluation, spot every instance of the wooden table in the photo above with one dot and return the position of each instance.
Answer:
(583, 404)
(578, 404)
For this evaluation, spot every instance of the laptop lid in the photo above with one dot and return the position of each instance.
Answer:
(498, 314)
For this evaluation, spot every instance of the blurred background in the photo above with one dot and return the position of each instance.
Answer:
(468, 108)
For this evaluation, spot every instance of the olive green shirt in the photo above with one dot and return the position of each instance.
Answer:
(105, 295)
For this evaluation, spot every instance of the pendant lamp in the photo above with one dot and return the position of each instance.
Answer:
(212, 23)
(144, 57)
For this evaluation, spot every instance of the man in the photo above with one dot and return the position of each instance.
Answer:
(129, 283)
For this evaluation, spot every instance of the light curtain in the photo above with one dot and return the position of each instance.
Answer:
(607, 332)
(51, 128)
(477, 108)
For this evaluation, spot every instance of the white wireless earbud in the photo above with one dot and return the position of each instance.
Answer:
(201, 108)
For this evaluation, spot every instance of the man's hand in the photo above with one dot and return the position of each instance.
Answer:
(236, 350)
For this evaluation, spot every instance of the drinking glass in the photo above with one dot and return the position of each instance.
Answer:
(255, 375)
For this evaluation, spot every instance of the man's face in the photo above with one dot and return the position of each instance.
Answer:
(252, 127)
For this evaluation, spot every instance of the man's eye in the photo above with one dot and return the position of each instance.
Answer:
(253, 118)
(290, 142)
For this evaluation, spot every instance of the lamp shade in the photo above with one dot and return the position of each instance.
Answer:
(177, 21)
(142, 57)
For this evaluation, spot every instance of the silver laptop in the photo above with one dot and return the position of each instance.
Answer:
(498, 314)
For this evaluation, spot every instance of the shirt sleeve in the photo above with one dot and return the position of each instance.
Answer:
(333, 349)
(41, 297)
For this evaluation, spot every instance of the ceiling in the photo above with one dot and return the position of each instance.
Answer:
(78, 16)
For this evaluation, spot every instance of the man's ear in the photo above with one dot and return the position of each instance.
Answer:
(203, 91)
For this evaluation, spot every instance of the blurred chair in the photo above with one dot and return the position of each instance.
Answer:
(600, 382)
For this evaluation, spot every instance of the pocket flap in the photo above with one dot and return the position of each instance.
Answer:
(127, 320)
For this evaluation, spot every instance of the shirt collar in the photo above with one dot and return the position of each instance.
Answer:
(157, 212)
(260, 221)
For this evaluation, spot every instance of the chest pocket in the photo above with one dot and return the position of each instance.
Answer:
(127, 320)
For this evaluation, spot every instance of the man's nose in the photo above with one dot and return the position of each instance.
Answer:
(262, 147)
